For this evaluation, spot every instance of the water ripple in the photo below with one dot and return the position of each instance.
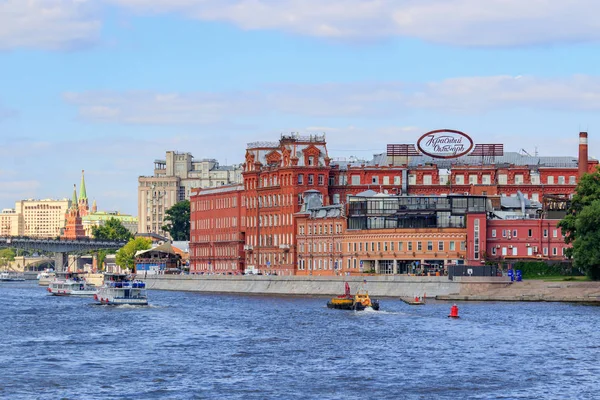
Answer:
(203, 346)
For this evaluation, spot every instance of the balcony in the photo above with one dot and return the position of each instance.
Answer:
(284, 246)
(248, 247)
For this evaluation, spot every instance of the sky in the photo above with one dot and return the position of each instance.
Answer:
(108, 86)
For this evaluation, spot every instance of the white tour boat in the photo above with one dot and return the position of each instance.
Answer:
(70, 284)
(45, 277)
(121, 289)
(11, 276)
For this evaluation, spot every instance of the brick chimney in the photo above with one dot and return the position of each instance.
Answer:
(583, 153)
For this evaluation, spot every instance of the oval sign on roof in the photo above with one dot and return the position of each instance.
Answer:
(445, 143)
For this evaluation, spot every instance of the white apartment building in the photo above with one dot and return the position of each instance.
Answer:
(35, 218)
(172, 181)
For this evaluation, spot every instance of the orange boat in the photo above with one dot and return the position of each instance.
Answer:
(358, 302)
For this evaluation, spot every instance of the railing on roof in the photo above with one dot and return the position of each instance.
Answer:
(294, 137)
(259, 145)
(298, 138)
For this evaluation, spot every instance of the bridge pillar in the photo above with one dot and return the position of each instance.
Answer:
(61, 261)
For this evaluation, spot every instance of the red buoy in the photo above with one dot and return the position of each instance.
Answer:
(453, 312)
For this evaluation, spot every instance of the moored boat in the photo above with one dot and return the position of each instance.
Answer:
(416, 301)
(45, 277)
(360, 301)
(11, 276)
(70, 284)
(121, 289)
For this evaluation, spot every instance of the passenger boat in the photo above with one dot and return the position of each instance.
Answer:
(358, 302)
(121, 289)
(11, 276)
(45, 277)
(70, 284)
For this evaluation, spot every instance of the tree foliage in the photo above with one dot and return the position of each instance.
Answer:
(126, 254)
(101, 256)
(581, 225)
(113, 229)
(177, 221)
(6, 256)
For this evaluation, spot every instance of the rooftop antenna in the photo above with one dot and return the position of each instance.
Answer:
(526, 153)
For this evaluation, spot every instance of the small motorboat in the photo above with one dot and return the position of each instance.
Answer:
(358, 302)
(45, 277)
(417, 301)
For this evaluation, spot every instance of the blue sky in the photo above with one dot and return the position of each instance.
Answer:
(108, 86)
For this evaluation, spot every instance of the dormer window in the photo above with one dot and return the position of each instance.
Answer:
(311, 160)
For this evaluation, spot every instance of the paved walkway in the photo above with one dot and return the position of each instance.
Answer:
(533, 290)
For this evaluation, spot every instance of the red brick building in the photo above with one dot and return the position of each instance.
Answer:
(275, 237)
(320, 235)
(502, 174)
(525, 239)
(275, 176)
(217, 230)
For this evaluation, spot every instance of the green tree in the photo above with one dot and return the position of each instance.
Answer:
(6, 256)
(101, 256)
(177, 219)
(581, 225)
(113, 229)
(126, 254)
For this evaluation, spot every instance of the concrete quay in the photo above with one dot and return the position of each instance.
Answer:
(531, 290)
(378, 286)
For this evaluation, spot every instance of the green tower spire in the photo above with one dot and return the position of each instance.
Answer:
(74, 200)
(82, 193)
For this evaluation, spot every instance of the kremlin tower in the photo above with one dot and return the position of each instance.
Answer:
(84, 208)
(74, 227)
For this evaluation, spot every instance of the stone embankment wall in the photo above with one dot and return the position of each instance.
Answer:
(379, 286)
(531, 290)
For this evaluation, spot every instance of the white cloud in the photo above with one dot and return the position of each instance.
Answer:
(457, 22)
(467, 95)
(162, 108)
(47, 24)
(69, 24)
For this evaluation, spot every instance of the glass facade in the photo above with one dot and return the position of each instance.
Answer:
(410, 212)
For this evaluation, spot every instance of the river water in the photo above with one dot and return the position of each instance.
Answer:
(206, 346)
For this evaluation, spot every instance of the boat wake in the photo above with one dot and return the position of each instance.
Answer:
(370, 310)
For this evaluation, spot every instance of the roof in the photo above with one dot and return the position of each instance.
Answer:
(295, 144)
(333, 211)
(182, 245)
(152, 236)
(105, 216)
(366, 193)
(236, 187)
(509, 158)
(163, 248)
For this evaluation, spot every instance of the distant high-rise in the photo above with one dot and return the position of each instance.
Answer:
(172, 182)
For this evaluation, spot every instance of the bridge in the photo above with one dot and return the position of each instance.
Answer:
(61, 247)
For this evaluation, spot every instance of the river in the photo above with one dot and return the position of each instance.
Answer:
(206, 346)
